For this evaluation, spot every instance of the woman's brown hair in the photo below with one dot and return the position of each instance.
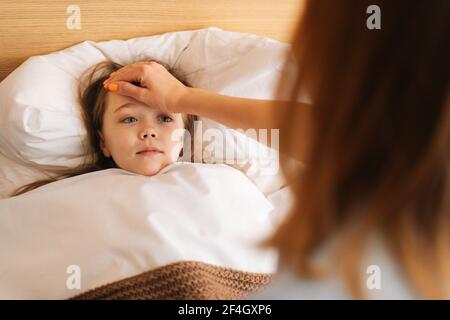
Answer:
(92, 98)
(379, 142)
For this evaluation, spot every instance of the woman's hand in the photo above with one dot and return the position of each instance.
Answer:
(158, 88)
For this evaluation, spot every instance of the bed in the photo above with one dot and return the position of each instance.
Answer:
(115, 254)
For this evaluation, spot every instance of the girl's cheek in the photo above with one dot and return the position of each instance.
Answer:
(177, 135)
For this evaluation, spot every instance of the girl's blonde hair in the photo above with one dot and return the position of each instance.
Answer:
(379, 148)
(92, 98)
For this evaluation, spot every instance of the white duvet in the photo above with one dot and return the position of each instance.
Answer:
(114, 224)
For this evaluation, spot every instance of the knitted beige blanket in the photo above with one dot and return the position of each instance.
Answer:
(186, 280)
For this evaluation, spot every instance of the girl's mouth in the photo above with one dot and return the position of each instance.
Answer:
(149, 153)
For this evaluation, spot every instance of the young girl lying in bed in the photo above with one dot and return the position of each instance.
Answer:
(129, 231)
(122, 132)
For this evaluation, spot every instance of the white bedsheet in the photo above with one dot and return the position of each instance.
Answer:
(114, 224)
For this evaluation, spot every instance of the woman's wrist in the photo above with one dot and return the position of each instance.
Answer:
(184, 101)
(177, 103)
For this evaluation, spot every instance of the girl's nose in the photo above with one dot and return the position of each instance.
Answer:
(148, 133)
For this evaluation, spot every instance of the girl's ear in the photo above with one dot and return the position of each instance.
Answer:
(105, 150)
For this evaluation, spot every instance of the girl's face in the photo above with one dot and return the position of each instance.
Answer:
(138, 138)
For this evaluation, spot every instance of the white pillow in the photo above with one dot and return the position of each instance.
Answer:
(41, 121)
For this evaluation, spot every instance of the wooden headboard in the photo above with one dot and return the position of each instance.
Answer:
(35, 27)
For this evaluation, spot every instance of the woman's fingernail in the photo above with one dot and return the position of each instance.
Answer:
(112, 74)
(112, 87)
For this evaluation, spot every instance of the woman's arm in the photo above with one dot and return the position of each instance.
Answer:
(232, 111)
(240, 113)
(159, 89)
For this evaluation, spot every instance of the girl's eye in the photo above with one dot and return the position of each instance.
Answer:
(165, 118)
(129, 120)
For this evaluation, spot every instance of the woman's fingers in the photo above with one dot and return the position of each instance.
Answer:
(132, 73)
(127, 89)
(123, 75)
(155, 85)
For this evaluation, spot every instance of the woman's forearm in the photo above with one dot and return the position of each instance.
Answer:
(232, 111)
(241, 113)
